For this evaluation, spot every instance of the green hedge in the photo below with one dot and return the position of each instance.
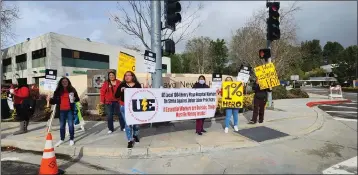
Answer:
(350, 89)
(280, 92)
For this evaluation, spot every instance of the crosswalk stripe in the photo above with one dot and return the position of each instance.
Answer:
(347, 112)
(340, 106)
(345, 167)
(346, 119)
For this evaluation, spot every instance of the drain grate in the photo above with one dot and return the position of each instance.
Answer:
(261, 133)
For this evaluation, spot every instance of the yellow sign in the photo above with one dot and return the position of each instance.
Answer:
(126, 63)
(267, 76)
(232, 95)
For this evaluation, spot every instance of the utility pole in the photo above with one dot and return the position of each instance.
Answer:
(155, 7)
(269, 95)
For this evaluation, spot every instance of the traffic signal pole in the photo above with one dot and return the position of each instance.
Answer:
(156, 42)
(269, 96)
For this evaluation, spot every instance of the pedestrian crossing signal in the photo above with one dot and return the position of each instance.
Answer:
(265, 53)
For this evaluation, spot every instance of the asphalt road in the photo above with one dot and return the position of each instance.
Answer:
(344, 111)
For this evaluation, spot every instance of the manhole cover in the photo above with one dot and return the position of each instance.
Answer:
(261, 133)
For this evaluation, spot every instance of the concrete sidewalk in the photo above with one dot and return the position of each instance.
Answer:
(291, 116)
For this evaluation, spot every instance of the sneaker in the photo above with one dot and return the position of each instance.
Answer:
(130, 144)
(109, 132)
(236, 128)
(82, 128)
(203, 130)
(59, 143)
(124, 130)
(136, 138)
(72, 142)
(199, 133)
(226, 130)
(261, 121)
(252, 122)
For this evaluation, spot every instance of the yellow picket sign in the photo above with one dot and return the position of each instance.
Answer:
(126, 63)
(267, 76)
(232, 95)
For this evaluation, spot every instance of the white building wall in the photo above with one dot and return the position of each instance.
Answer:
(54, 42)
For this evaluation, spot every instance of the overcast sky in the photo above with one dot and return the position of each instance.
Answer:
(323, 20)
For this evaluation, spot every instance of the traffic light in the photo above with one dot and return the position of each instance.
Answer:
(265, 53)
(169, 46)
(273, 21)
(172, 15)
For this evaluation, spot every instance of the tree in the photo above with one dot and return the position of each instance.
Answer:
(247, 41)
(331, 51)
(185, 60)
(9, 14)
(135, 21)
(346, 68)
(219, 55)
(311, 55)
(198, 52)
(176, 63)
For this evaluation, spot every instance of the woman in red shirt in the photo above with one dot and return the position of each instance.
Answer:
(65, 97)
(21, 93)
(107, 97)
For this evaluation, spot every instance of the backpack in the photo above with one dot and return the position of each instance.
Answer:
(29, 104)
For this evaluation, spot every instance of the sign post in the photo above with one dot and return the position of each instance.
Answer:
(50, 85)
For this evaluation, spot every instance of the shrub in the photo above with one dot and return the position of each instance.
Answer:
(101, 110)
(350, 89)
(297, 93)
(248, 101)
(279, 92)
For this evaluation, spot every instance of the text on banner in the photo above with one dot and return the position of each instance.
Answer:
(267, 76)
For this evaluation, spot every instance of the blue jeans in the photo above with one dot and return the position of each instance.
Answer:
(130, 130)
(67, 115)
(111, 110)
(231, 112)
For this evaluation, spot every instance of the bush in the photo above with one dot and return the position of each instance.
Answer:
(297, 93)
(279, 92)
(101, 110)
(350, 89)
(248, 101)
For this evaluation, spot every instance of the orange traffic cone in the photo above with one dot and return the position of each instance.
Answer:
(48, 162)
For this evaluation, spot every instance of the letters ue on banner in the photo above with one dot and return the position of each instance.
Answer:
(232, 95)
(160, 105)
(126, 63)
(267, 76)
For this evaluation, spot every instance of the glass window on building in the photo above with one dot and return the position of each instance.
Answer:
(6, 65)
(164, 68)
(21, 63)
(75, 58)
(39, 58)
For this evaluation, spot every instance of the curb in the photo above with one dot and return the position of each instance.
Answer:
(315, 103)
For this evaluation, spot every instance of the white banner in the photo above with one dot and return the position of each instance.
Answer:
(243, 76)
(159, 105)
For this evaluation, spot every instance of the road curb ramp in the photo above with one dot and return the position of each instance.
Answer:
(315, 103)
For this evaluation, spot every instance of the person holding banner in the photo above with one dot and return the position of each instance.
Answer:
(200, 122)
(129, 81)
(65, 98)
(107, 92)
(260, 100)
(231, 112)
(21, 95)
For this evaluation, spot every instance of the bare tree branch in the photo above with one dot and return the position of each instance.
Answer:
(135, 21)
(9, 14)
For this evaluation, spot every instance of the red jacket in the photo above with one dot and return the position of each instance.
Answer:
(21, 94)
(106, 93)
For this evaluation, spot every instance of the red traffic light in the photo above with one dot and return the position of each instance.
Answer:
(265, 53)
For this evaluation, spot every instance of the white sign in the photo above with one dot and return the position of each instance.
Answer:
(243, 75)
(295, 77)
(50, 85)
(149, 61)
(160, 105)
(150, 66)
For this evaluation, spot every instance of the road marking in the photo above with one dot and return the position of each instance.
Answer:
(346, 167)
(345, 119)
(340, 106)
(350, 103)
(10, 158)
(347, 112)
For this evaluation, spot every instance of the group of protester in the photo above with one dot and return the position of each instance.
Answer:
(112, 96)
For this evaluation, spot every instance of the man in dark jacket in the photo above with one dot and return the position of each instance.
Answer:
(260, 100)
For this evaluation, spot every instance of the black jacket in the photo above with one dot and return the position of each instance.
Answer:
(260, 94)
(56, 99)
(198, 85)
